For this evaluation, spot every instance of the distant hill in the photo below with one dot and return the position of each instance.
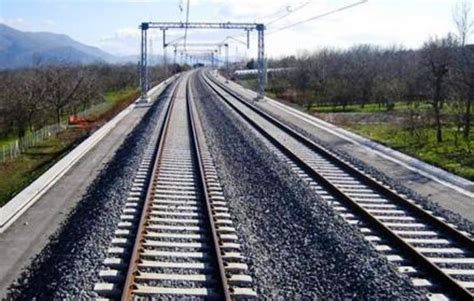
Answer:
(152, 59)
(24, 49)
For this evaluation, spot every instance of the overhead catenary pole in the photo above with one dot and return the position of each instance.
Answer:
(227, 71)
(143, 64)
(248, 39)
(226, 56)
(165, 59)
(261, 61)
(175, 53)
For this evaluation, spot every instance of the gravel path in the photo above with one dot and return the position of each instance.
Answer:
(305, 129)
(68, 266)
(297, 247)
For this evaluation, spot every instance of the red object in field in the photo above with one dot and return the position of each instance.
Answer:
(78, 121)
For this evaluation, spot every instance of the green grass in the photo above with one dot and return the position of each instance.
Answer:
(11, 137)
(270, 91)
(17, 173)
(21, 171)
(116, 96)
(457, 159)
(112, 99)
(368, 108)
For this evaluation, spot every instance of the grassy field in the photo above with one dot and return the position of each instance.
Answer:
(8, 139)
(17, 173)
(117, 96)
(368, 108)
(455, 157)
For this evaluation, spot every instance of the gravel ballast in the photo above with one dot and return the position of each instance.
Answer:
(307, 130)
(296, 246)
(67, 268)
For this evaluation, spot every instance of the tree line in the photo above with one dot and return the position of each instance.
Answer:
(440, 73)
(34, 97)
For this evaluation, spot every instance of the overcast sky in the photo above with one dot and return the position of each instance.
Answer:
(113, 24)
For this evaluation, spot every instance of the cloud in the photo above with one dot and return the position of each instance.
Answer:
(265, 10)
(27, 25)
(126, 41)
(384, 23)
(49, 22)
(17, 23)
(120, 41)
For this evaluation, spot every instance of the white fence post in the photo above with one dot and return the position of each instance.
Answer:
(13, 149)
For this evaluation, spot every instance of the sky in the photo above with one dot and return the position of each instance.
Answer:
(113, 24)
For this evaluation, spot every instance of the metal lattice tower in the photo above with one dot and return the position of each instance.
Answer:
(200, 25)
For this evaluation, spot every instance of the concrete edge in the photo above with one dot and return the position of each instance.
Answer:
(435, 173)
(11, 211)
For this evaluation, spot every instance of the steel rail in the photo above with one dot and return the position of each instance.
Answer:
(453, 233)
(216, 242)
(222, 284)
(135, 257)
(432, 270)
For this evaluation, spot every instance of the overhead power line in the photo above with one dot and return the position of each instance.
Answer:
(331, 12)
(287, 10)
(175, 40)
(290, 11)
(233, 38)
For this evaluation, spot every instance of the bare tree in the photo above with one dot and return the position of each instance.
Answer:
(21, 94)
(437, 58)
(464, 25)
(35, 90)
(462, 20)
(62, 87)
(88, 93)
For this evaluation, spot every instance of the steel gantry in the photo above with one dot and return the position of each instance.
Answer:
(218, 47)
(164, 26)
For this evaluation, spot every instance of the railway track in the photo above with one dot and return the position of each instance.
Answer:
(433, 253)
(176, 238)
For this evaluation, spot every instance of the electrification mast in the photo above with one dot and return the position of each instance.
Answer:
(260, 28)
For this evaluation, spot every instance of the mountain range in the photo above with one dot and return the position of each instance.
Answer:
(25, 49)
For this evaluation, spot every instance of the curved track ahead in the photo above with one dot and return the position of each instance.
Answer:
(435, 254)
